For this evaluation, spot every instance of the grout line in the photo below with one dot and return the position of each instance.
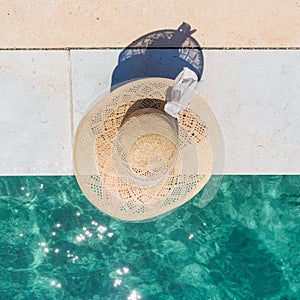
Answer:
(71, 97)
(250, 48)
(120, 48)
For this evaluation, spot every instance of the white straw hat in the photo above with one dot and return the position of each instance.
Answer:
(134, 161)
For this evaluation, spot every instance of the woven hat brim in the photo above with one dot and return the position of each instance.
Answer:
(117, 195)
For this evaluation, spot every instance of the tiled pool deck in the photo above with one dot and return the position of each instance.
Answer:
(113, 23)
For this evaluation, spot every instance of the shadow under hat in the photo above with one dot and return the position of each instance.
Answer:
(162, 53)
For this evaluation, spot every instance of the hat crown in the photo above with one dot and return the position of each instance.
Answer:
(146, 145)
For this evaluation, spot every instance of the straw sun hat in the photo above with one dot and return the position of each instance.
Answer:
(134, 161)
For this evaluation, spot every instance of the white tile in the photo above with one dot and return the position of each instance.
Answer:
(254, 94)
(91, 77)
(35, 113)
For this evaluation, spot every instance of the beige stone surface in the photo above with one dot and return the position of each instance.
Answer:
(115, 23)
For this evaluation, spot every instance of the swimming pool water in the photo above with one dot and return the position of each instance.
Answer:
(244, 245)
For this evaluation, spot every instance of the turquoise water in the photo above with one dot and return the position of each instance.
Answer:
(244, 245)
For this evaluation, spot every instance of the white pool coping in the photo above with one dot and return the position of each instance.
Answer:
(255, 95)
